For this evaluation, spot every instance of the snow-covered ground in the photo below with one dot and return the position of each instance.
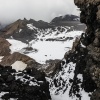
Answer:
(45, 49)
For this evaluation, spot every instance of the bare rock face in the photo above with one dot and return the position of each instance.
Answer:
(52, 66)
(10, 29)
(90, 15)
(4, 47)
(12, 58)
(21, 30)
(81, 2)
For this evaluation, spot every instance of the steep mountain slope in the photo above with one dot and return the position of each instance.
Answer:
(27, 30)
(21, 29)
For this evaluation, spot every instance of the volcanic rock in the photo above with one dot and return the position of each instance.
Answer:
(29, 84)
(4, 47)
(21, 29)
(66, 18)
(52, 66)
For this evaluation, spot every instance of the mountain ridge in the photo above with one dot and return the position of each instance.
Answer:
(28, 29)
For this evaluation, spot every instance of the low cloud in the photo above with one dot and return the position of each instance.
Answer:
(11, 10)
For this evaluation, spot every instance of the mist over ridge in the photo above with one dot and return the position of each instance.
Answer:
(46, 10)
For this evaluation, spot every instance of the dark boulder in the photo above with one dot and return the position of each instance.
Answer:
(29, 84)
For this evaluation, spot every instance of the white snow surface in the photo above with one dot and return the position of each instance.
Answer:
(16, 45)
(19, 66)
(46, 49)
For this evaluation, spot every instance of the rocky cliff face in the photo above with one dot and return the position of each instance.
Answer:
(27, 30)
(12, 58)
(90, 15)
(21, 30)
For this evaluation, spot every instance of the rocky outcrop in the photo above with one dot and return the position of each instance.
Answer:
(28, 84)
(90, 15)
(4, 47)
(12, 58)
(19, 29)
(27, 30)
(51, 67)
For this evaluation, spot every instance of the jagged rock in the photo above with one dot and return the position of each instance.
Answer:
(98, 13)
(97, 33)
(96, 42)
(96, 95)
(27, 30)
(52, 66)
(12, 58)
(4, 47)
(29, 84)
(75, 43)
(21, 30)
(95, 72)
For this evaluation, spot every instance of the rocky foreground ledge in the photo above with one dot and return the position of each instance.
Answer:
(28, 84)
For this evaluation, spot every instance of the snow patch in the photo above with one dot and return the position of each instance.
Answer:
(19, 66)
(16, 45)
(20, 30)
(2, 93)
(31, 27)
(83, 45)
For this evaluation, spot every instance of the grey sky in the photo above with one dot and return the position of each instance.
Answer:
(11, 10)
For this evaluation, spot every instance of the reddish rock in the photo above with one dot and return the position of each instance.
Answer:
(4, 47)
